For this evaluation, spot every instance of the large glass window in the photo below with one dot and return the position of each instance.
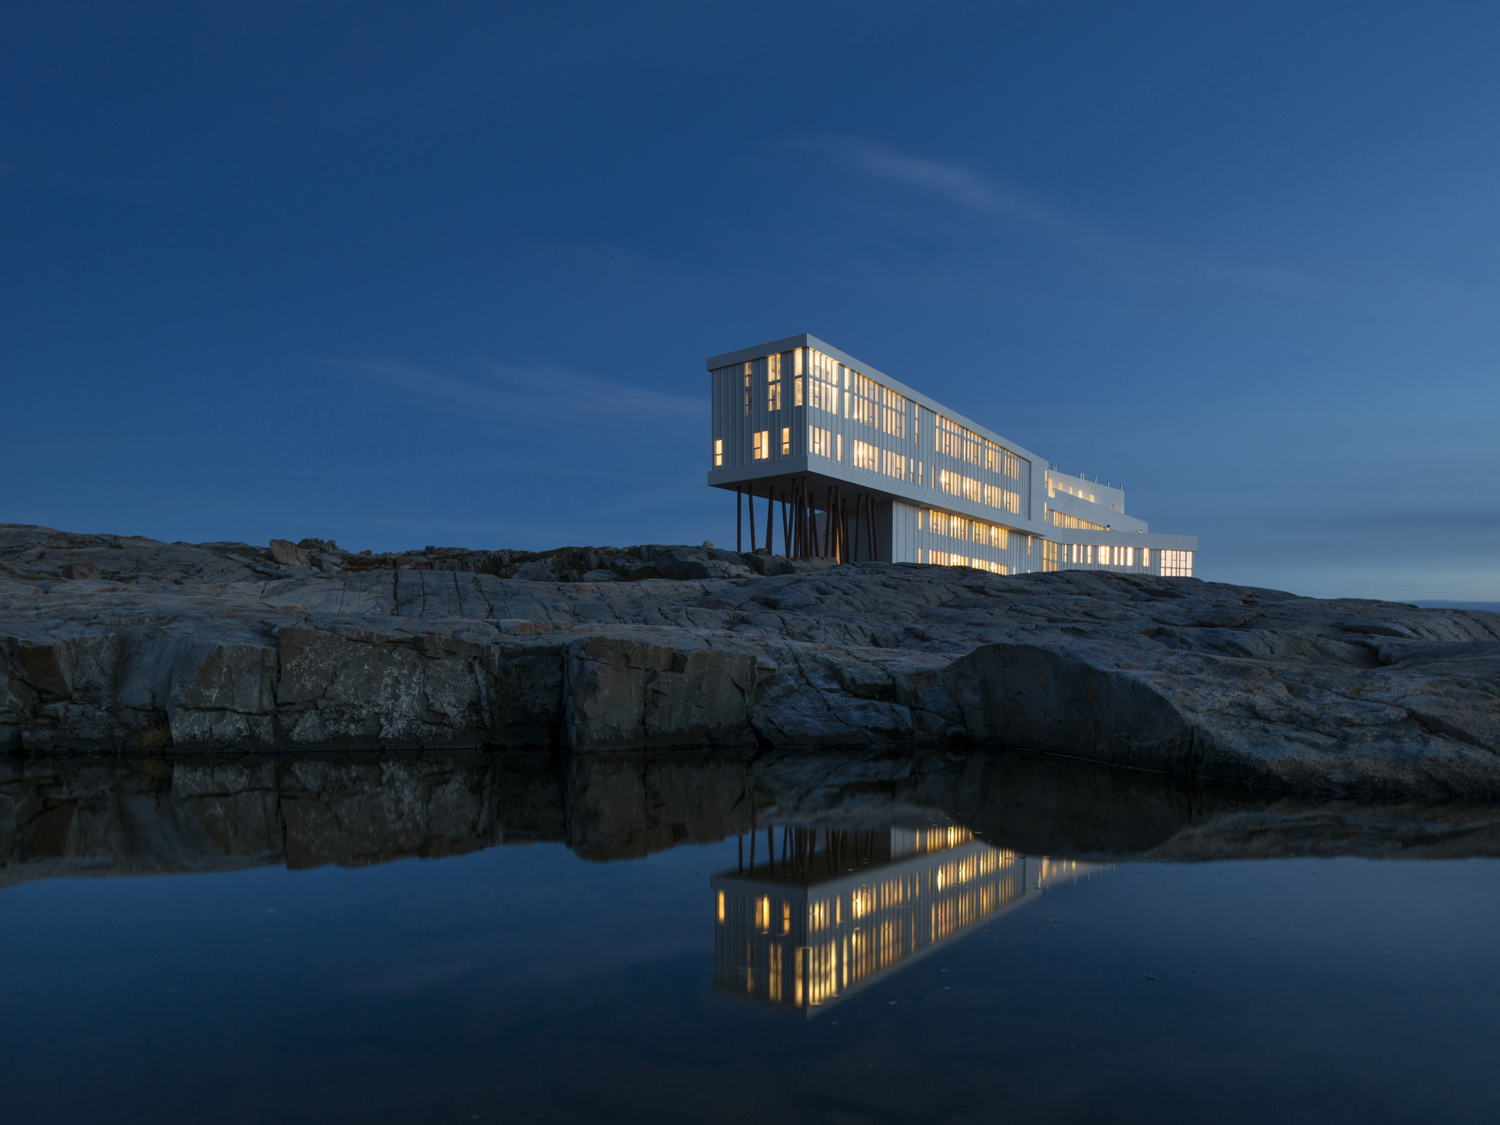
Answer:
(786, 441)
(958, 441)
(863, 402)
(1060, 519)
(822, 382)
(819, 441)
(747, 390)
(893, 413)
(893, 464)
(866, 456)
(773, 382)
(718, 452)
(1177, 564)
(762, 445)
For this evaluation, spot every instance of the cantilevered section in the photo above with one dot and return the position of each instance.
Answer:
(848, 462)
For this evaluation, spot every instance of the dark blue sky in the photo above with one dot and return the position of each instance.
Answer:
(402, 274)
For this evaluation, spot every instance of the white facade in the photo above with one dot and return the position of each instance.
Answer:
(813, 430)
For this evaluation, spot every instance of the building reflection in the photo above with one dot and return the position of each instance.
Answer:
(837, 910)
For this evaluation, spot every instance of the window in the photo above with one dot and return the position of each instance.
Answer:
(943, 558)
(894, 412)
(839, 446)
(1002, 498)
(1000, 460)
(956, 484)
(747, 390)
(820, 441)
(866, 456)
(956, 441)
(1176, 564)
(992, 567)
(762, 444)
(786, 441)
(1049, 555)
(773, 382)
(954, 527)
(1146, 556)
(894, 464)
(797, 379)
(822, 382)
(1059, 519)
(862, 403)
(718, 452)
(992, 535)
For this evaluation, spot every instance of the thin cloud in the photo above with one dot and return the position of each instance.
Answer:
(951, 181)
(542, 393)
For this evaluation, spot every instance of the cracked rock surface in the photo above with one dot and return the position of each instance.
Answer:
(224, 646)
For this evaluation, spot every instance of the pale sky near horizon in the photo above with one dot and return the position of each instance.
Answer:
(403, 274)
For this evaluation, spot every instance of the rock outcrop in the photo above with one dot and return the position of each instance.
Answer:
(228, 647)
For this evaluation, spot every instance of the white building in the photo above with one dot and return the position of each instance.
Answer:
(800, 424)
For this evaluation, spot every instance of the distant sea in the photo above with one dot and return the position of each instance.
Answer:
(1490, 607)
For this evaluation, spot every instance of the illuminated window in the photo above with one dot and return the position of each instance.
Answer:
(944, 558)
(957, 441)
(839, 446)
(786, 441)
(822, 382)
(944, 523)
(721, 907)
(894, 412)
(819, 441)
(894, 464)
(1002, 498)
(797, 376)
(763, 914)
(718, 451)
(866, 456)
(956, 484)
(1049, 555)
(1000, 460)
(773, 382)
(1176, 564)
(762, 444)
(747, 390)
(862, 403)
(1145, 556)
(1061, 519)
(992, 567)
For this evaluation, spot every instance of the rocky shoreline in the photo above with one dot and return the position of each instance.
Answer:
(111, 642)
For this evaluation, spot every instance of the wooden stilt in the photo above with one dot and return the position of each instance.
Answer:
(738, 534)
(770, 525)
(858, 512)
(750, 500)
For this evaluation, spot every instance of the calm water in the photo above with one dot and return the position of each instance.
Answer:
(895, 971)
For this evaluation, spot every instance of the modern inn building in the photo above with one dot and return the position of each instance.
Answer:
(802, 431)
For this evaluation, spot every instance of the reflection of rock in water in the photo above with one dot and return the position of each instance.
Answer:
(108, 816)
(836, 910)
(61, 817)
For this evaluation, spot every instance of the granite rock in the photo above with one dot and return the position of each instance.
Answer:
(221, 646)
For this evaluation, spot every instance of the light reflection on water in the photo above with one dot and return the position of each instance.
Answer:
(304, 964)
(846, 908)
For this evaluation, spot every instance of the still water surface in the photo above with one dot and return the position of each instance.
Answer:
(880, 972)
